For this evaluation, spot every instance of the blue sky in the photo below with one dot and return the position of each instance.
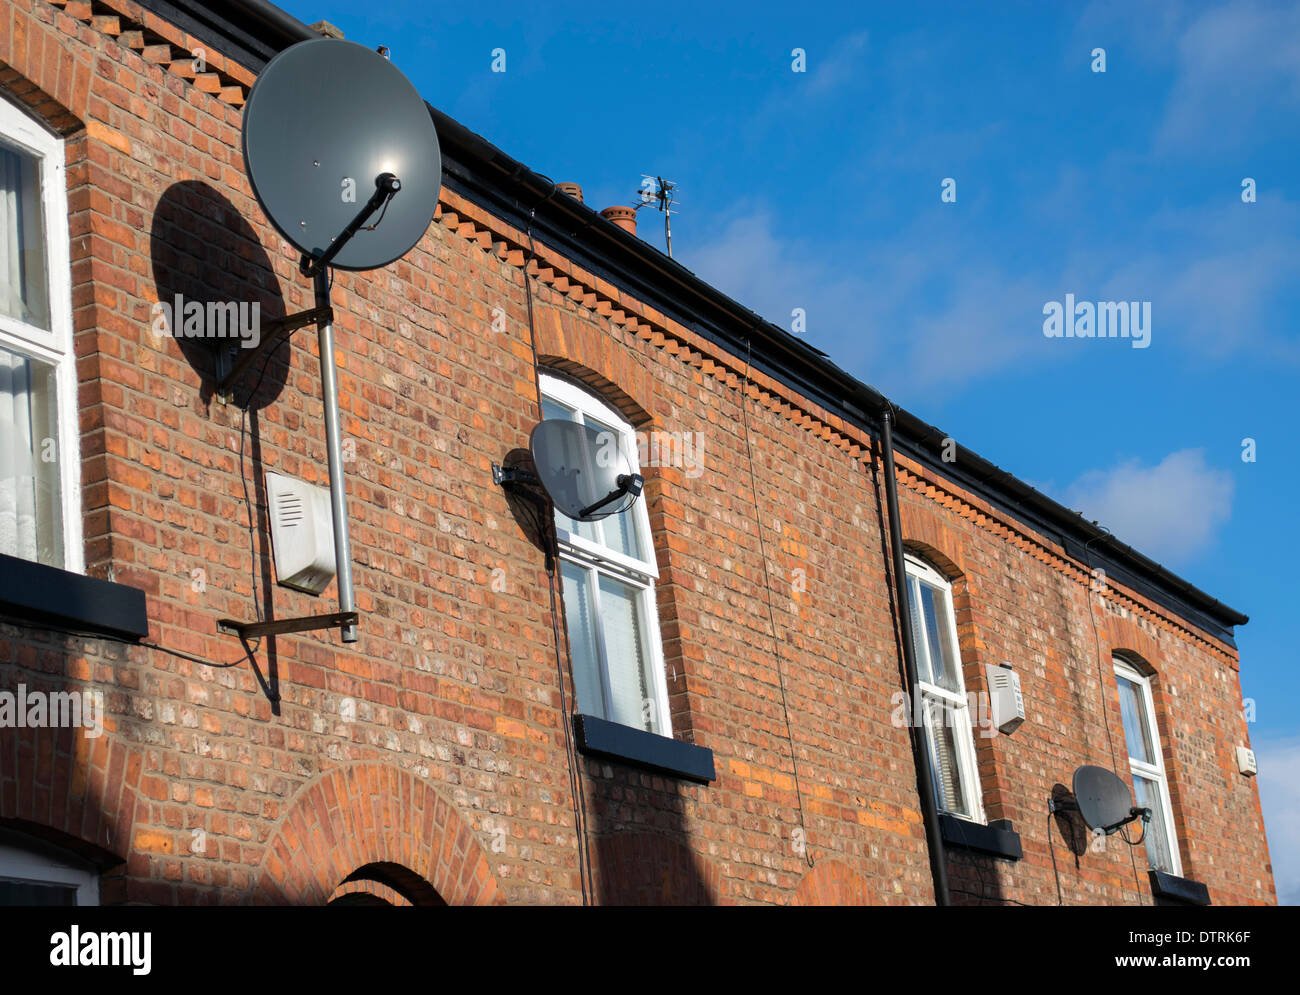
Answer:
(821, 190)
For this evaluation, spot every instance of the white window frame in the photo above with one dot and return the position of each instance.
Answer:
(963, 732)
(54, 346)
(601, 559)
(29, 867)
(1151, 772)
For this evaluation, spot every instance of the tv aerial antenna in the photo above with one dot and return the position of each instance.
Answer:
(661, 194)
(343, 157)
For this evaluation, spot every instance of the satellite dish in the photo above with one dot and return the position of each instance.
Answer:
(1103, 799)
(342, 155)
(583, 469)
(330, 125)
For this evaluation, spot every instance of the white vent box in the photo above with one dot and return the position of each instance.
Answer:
(1005, 702)
(1246, 761)
(302, 533)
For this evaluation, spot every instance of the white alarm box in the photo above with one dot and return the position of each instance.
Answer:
(1005, 701)
(302, 533)
(1246, 763)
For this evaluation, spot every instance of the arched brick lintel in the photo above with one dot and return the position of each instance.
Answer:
(579, 347)
(930, 537)
(366, 814)
(41, 71)
(79, 792)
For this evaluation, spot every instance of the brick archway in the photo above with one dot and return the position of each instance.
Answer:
(833, 882)
(78, 792)
(368, 814)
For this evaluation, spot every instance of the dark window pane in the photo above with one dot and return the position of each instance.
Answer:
(28, 893)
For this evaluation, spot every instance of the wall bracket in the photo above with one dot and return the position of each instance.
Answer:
(280, 626)
(271, 333)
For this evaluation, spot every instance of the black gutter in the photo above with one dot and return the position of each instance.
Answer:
(920, 748)
(257, 30)
(476, 169)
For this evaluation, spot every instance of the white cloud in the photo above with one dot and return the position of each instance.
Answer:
(1170, 511)
(772, 275)
(1279, 792)
(1217, 274)
(1227, 63)
(914, 310)
(846, 59)
(930, 305)
(1230, 60)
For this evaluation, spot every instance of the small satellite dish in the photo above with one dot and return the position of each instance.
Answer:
(1103, 799)
(583, 469)
(329, 125)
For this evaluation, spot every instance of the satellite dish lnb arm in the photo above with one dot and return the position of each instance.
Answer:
(628, 483)
(386, 187)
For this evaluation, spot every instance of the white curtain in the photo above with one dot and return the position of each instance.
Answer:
(18, 484)
(17, 476)
(30, 518)
(1149, 796)
(12, 297)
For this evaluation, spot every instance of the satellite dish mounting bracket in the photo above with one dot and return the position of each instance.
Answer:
(322, 315)
(281, 626)
(345, 619)
(505, 476)
(271, 332)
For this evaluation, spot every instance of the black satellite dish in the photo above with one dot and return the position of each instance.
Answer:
(583, 469)
(330, 125)
(335, 136)
(1104, 800)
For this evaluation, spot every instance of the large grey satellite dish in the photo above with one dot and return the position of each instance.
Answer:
(1103, 799)
(583, 469)
(342, 155)
(327, 122)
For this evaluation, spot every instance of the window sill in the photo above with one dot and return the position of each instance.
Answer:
(997, 839)
(601, 738)
(1173, 890)
(38, 594)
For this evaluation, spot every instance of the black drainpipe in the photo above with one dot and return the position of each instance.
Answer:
(929, 809)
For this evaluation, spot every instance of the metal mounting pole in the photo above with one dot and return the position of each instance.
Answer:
(334, 451)
(666, 201)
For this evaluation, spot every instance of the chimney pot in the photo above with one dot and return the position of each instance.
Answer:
(574, 190)
(624, 217)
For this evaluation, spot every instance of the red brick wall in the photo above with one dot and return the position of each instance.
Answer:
(455, 767)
